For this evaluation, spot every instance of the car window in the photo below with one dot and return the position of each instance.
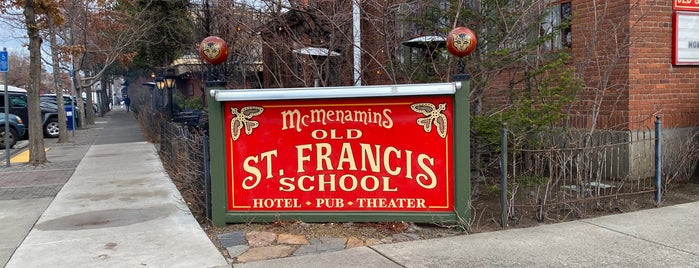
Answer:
(66, 99)
(49, 105)
(18, 101)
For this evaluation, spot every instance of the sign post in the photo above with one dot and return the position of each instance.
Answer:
(371, 153)
(4, 68)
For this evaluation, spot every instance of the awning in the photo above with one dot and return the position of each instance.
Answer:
(188, 64)
(428, 41)
(315, 51)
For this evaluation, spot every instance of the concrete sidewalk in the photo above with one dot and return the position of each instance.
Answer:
(663, 237)
(118, 209)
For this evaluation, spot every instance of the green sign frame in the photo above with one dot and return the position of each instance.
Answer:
(220, 215)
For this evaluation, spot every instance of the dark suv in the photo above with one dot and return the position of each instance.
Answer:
(18, 106)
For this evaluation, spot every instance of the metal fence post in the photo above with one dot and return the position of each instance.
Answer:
(207, 176)
(503, 175)
(658, 158)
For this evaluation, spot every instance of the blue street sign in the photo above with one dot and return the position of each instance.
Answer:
(4, 65)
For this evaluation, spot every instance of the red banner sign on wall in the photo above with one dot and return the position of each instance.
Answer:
(687, 5)
(388, 154)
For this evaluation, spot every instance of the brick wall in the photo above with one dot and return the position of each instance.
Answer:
(659, 87)
(626, 57)
(600, 52)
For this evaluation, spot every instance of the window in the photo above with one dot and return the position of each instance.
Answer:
(556, 23)
(18, 101)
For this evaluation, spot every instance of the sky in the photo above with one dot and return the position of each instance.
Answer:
(11, 37)
(11, 43)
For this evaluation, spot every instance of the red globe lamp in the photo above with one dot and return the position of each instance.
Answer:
(213, 50)
(461, 41)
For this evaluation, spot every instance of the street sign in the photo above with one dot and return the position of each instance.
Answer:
(4, 65)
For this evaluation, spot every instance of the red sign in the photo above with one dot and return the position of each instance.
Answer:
(688, 5)
(357, 154)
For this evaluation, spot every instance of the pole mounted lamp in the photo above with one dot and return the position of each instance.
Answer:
(170, 85)
(169, 82)
(214, 50)
(160, 85)
(461, 41)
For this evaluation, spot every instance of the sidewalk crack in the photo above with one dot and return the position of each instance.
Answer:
(641, 238)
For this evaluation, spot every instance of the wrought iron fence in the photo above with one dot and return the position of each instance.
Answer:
(556, 174)
(183, 150)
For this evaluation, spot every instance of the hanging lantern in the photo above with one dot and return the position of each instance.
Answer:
(213, 50)
(461, 41)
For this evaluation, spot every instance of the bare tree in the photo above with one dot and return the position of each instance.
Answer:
(98, 36)
(32, 12)
(19, 64)
(62, 117)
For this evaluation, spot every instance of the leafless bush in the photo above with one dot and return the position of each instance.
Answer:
(182, 154)
(682, 154)
(557, 177)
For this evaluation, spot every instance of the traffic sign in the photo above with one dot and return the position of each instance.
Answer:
(4, 65)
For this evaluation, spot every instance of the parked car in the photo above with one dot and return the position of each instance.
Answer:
(51, 127)
(15, 131)
(67, 101)
(19, 106)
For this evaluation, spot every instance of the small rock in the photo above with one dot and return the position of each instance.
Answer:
(306, 249)
(400, 238)
(260, 239)
(331, 244)
(386, 240)
(232, 239)
(323, 244)
(353, 242)
(235, 251)
(412, 228)
(412, 236)
(264, 253)
(372, 241)
(292, 239)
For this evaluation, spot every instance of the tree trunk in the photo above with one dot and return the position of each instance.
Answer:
(62, 117)
(37, 155)
(81, 105)
(89, 113)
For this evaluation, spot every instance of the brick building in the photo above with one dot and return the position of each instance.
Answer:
(635, 52)
(623, 50)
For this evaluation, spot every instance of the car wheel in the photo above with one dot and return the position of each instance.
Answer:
(51, 128)
(12, 134)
